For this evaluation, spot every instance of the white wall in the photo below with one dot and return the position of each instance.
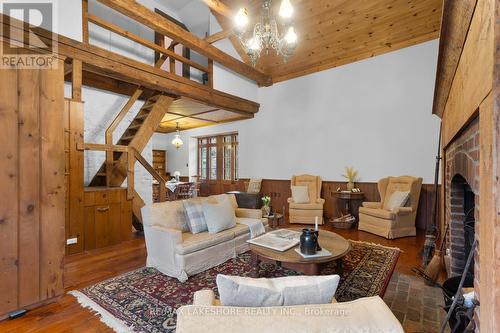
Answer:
(374, 114)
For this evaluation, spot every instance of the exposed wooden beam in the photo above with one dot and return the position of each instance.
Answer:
(161, 25)
(218, 7)
(218, 36)
(122, 68)
(85, 21)
(456, 20)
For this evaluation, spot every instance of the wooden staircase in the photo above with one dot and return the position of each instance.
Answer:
(114, 170)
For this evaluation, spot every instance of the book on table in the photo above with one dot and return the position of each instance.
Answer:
(278, 240)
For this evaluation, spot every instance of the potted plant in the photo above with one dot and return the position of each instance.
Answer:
(266, 202)
(350, 175)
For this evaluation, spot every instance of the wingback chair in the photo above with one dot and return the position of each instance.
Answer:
(305, 213)
(374, 217)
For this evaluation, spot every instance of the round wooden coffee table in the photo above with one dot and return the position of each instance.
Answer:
(336, 244)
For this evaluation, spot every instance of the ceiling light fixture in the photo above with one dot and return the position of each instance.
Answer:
(177, 141)
(266, 34)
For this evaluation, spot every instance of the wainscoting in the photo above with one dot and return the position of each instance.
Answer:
(279, 191)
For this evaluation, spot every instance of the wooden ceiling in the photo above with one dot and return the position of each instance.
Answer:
(192, 114)
(337, 32)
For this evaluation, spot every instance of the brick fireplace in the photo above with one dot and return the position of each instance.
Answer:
(462, 199)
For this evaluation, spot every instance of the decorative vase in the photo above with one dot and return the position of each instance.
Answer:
(308, 242)
(350, 186)
(266, 210)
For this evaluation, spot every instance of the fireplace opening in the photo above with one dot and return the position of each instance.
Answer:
(462, 224)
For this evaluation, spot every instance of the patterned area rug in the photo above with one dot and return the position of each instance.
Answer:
(145, 300)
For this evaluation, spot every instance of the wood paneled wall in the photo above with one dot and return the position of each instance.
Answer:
(279, 191)
(32, 186)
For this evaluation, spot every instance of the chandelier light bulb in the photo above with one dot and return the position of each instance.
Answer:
(253, 44)
(241, 19)
(291, 36)
(286, 9)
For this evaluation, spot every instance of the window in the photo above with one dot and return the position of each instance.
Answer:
(218, 157)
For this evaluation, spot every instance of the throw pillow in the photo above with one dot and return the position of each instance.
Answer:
(195, 218)
(300, 194)
(219, 216)
(283, 291)
(254, 186)
(397, 199)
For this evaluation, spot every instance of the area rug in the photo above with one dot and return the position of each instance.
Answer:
(146, 300)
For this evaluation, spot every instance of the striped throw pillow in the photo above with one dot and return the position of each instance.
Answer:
(195, 218)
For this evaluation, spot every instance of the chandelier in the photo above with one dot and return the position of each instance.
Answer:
(177, 141)
(266, 35)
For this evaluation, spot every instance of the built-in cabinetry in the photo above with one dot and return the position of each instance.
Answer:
(107, 217)
(160, 162)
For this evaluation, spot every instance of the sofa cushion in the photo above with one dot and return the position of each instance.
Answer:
(300, 194)
(196, 242)
(195, 216)
(219, 216)
(381, 213)
(307, 206)
(220, 197)
(168, 214)
(289, 290)
(397, 199)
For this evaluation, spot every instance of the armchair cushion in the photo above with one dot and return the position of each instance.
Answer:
(377, 212)
(254, 185)
(397, 199)
(289, 290)
(306, 206)
(375, 205)
(300, 194)
(402, 210)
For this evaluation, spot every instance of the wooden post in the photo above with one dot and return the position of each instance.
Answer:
(130, 173)
(76, 75)
(85, 20)
(210, 73)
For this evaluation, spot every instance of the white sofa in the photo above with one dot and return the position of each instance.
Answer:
(175, 251)
(367, 314)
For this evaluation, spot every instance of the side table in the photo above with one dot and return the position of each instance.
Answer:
(275, 219)
(349, 198)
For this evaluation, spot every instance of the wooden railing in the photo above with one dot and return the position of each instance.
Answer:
(165, 53)
(132, 156)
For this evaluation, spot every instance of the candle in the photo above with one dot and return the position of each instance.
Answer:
(316, 223)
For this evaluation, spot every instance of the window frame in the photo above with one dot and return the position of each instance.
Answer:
(221, 145)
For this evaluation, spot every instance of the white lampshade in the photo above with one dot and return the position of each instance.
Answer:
(286, 9)
(177, 141)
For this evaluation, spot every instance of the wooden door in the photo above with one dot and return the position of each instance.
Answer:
(101, 218)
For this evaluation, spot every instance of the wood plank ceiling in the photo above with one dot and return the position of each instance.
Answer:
(337, 32)
(331, 33)
(191, 114)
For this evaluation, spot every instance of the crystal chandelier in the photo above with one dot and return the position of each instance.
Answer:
(177, 141)
(266, 34)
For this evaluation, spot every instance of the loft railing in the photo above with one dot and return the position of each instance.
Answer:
(165, 53)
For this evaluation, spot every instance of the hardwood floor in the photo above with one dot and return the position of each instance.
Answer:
(87, 268)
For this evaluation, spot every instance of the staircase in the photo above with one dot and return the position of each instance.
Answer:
(114, 171)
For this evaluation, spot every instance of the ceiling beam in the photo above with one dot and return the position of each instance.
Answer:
(218, 36)
(220, 8)
(163, 26)
(122, 68)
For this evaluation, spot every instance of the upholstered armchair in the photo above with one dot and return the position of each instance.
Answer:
(380, 218)
(305, 213)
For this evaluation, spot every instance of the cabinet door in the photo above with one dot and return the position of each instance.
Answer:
(114, 223)
(101, 225)
(89, 236)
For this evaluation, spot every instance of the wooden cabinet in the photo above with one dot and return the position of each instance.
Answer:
(160, 161)
(107, 217)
